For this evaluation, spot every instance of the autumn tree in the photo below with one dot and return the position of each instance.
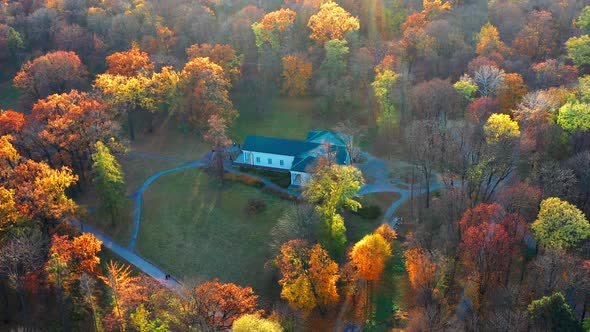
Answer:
(488, 41)
(332, 189)
(538, 38)
(308, 275)
(109, 181)
(273, 26)
(331, 22)
(40, 192)
(421, 269)
(511, 91)
(67, 126)
(223, 55)
(368, 257)
(560, 224)
(488, 79)
(125, 293)
(55, 72)
(253, 323)
(129, 63)
(296, 75)
(299, 221)
(333, 82)
(11, 122)
(125, 94)
(553, 73)
(205, 91)
(216, 306)
(69, 259)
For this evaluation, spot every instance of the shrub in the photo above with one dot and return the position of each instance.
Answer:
(370, 212)
(245, 179)
(255, 206)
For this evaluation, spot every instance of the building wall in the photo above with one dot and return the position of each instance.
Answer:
(305, 177)
(262, 159)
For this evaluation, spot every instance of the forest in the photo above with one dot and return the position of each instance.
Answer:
(465, 205)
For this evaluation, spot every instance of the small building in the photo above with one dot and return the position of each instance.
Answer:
(296, 157)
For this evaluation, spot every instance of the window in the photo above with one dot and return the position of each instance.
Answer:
(258, 160)
(282, 163)
(269, 161)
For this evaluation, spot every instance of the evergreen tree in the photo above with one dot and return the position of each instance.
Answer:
(108, 178)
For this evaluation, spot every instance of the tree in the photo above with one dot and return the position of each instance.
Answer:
(11, 122)
(331, 22)
(272, 27)
(308, 275)
(421, 269)
(553, 73)
(127, 94)
(466, 87)
(553, 313)
(488, 79)
(383, 87)
(351, 134)
(205, 91)
(434, 99)
(574, 116)
(21, 255)
(223, 55)
(500, 128)
(560, 224)
(370, 255)
(578, 50)
(488, 41)
(333, 188)
(583, 21)
(129, 63)
(109, 181)
(55, 72)
(67, 126)
(538, 38)
(300, 221)
(253, 323)
(141, 321)
(216, 306)
(296, 75)
(40, 192)
(511, 91)
(126, 294)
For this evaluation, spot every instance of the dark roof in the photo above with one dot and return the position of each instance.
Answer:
(300, 164)
(323, 136)
(281, 146)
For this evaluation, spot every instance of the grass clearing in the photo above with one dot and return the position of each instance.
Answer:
(9, 96)
(196, 229)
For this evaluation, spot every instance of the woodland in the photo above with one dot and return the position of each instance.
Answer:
(118, 119)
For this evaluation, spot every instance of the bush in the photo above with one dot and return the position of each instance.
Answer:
(245, 179)
(255, 206)
(370, 212)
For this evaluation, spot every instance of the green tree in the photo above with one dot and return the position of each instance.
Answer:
(15, 42)
(578, 50)
(332, 189)
(141, 321)
(333, 83)
(583, 22)
(383, 84)
(574, 116)
(253, 323)
(108, 178)
(552, 313)
(560, 224)
(334, 64)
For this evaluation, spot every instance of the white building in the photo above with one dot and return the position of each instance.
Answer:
(296, 157)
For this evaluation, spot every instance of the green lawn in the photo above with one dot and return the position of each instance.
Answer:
(282, 117)
(194, 228)
(8, 95)
(357, 227)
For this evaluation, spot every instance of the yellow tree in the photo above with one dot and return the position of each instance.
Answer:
(499, 128)
(308, 276)
(272, 27)
(331, 22)
(332, 189)
(489, 41)
(511, 91)
(296, 75)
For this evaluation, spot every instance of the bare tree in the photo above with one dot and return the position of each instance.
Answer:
(488, 78)
(351, 134)
(18, 257)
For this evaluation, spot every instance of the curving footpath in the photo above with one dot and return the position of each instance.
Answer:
(373, 166)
